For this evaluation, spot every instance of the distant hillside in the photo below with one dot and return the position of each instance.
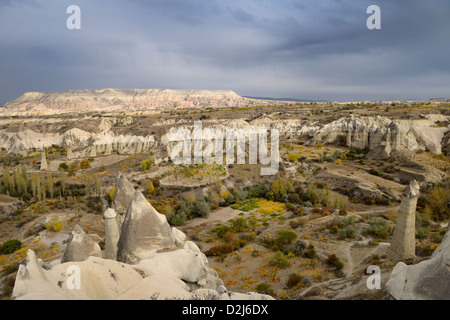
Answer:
(125, 100)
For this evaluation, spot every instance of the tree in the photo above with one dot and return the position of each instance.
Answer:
(146, 165)
(151, 188)
(73, 167)
(50, 185)
(98, 186)
(85, 164)
(280, 189)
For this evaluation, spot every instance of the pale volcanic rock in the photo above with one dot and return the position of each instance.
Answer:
(180, 274)
(143, 231)
(361, 132)
(118, 100)
(44, 164)
(427, 280)
(403, 243)
(123, 193)
(80, 246)
(112, 233)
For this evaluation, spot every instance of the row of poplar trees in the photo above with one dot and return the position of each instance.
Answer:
(18, 183)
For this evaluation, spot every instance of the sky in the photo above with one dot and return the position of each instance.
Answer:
(318, 50)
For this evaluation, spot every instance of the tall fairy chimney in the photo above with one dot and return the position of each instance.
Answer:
(403, 244)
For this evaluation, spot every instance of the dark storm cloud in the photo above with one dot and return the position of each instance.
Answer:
(307, 49)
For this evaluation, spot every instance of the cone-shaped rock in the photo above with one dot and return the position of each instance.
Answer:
(143, 231)
(123, 194)
(80, 247)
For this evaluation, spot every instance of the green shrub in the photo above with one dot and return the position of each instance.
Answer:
(296, 248)
(10, 246)
(281, 240)
(146, 165)
(348, 233)
(85, 164)
(421, 234)
(264, 288)
(201, 209)
(285, 237)
(54, 225)
(220, 230)
(220, 250)
(379, 229)
(178, 219)
(310, 252)
(239, 224)
(334, 261)
(342, 234)
(294, 279)
(279, 260)
(63, 166)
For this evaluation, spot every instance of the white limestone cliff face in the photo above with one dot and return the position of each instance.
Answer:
(361, 132)
(380, 134)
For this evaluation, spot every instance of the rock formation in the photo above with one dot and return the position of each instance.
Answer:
(9, 206)
(143, 231)
(124, 191)
(160, 264)
(70, 155)
(427, 280)
(403, 244)
(112, 233)
(80, 247)
(44, 165)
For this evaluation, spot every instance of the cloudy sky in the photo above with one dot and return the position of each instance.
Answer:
(320, 50)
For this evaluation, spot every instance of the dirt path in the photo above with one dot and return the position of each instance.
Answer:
(348, 253)
(217, 216)
(351, 265)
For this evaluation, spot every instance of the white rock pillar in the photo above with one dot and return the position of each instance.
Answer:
(112, 234)
(403, 244)
(44, 165)
(69, 154)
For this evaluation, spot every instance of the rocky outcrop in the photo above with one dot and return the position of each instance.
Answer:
(403, 243)
(427, 280)
(180, 274)
(8, 206)
(143, 231)
(80, 247)
(381, 133)
(162, 265)
(123, 193)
